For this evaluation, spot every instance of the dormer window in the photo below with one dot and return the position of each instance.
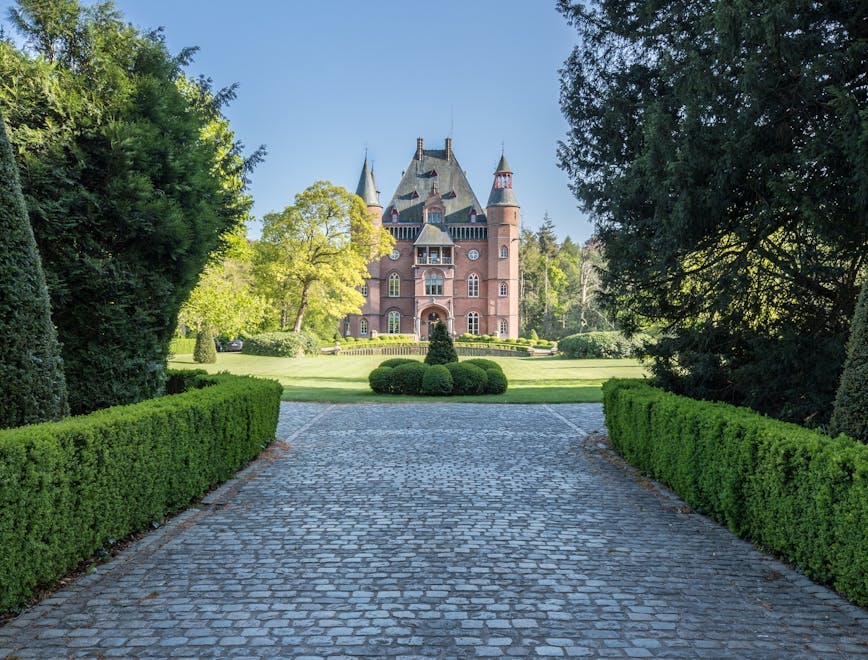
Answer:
(394, 215)
(435, 216)
(473, 215)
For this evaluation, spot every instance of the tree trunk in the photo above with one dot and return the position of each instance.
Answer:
(302, 307)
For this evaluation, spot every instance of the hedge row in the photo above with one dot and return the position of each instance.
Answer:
(596, 345)
(792, 491)
(406, 376)
(69, 488)
(282, 344)
(182, 345)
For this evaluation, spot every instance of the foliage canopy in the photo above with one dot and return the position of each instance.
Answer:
(131, 175)
(722, 149)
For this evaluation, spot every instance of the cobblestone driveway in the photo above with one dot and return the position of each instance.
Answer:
(446, 531)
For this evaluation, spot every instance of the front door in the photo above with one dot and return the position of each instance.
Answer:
(433, 319)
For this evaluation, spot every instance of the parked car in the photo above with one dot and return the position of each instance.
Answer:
(233, 346)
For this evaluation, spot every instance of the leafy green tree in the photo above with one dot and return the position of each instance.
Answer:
(850, 415)
(723, 151)
(441, 350)
(314, 254)
(131, 176)
(224, 298)
(32, 387)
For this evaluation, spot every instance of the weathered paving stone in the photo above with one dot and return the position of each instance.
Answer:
(450, 531)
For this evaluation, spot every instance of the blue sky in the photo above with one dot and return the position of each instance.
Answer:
(321, 80)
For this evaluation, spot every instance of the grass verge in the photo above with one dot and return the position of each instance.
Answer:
(344, 379)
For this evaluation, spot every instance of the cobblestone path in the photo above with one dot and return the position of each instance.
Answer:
(446, 531)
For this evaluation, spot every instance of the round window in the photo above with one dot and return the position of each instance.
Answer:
(473, 255)
(395, 254)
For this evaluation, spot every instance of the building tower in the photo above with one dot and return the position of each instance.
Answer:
(503, 223)
(367, 190)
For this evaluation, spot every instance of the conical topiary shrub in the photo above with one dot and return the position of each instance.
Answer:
(32, 386)
(850, 414)
(440, 348)
(205, 351)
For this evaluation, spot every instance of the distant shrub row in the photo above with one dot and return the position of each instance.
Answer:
(493, 339)
(791, 490)
(282, 344)
(407, 376)
(72, 487)
(595, 345)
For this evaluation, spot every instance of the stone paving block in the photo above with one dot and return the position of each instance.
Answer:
(434, 530)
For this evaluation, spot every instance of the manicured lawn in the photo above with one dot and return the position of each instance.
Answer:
(345, 379)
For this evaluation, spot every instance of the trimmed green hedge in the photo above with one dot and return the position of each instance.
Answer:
(793, 491)
(182, 345)
(406, 376)
(597, 345)
(69, 488)
(282, 344)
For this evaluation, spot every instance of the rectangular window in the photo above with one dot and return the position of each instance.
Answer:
(434, 285)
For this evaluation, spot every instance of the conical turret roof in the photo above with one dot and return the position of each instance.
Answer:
(367, 189)
(503, 166)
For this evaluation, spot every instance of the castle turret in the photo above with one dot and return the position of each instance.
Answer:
(503, 221)
(367, 190)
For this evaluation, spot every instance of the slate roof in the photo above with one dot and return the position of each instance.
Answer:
(367, 189)
(434, 236)
(502, 197)
(503, 166)
(457, 197)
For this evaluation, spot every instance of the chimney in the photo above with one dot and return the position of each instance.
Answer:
(418, 148)
(449, 148)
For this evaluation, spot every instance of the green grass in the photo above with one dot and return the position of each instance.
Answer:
(344, 379)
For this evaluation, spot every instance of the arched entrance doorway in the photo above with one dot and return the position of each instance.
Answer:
(430, 317)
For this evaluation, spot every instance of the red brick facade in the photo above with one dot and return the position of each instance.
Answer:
(461, 270)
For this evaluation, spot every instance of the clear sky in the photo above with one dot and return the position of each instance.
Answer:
(322, 80)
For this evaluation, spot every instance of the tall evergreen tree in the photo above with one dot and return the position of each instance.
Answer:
(723, 152)
(851, 404)
(441, 350)
(32, 387)
(131, 177)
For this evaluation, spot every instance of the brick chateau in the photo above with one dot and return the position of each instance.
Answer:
(454, 261)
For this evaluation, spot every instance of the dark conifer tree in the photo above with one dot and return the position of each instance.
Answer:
(851, 405)
(440, 347)
(205, 351)
(32, 387)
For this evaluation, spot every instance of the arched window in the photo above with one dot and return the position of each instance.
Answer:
(473, 285)
(394, 215)
(347, 328)
(504, 253)
(364, 289)
(394, 285)
(394, 322)
(503, 289)
(473, 215)
(473, 323)
(363, 327)
(502, 327)
(435, 216)
(434, 283)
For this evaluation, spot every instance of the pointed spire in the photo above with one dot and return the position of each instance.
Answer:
(503, 166)
(366, 189)
(501, 190)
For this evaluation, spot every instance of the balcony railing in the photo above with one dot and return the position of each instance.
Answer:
(433, 260)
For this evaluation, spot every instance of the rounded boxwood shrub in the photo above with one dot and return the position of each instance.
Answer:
(407, 378)
(482, 363)
(437, 381)
(397, 362)
(381, 380)
(497, 382)
(467, 378)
